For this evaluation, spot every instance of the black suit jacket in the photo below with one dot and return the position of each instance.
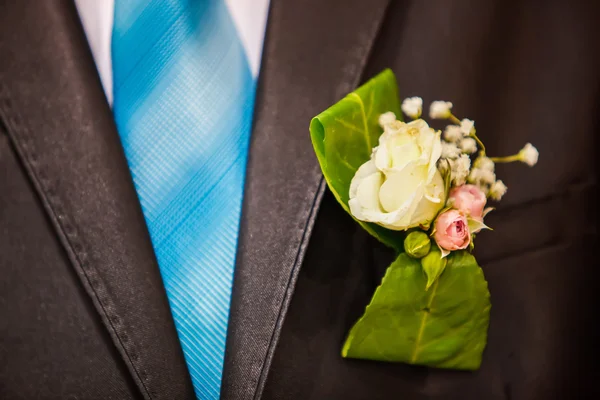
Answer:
(83, 312)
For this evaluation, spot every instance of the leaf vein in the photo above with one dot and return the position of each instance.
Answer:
(347, 164)
(364, 115)
(423, 323)
(348, 125)
(371, 102)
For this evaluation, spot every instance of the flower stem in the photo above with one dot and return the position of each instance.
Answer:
(416, 117)
(457, 121)
(454, 120)
(479, 143)
(507, 159)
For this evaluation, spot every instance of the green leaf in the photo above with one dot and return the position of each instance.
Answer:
(433, 265)
(344, 135)
(444, 327)
(476, 225)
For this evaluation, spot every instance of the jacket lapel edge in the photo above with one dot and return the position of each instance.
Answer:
(284, 184)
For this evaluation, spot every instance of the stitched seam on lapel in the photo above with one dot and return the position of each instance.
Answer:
(312, 215)
(355, 69)
(69, 236)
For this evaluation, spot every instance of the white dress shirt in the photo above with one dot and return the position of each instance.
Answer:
(249, 16)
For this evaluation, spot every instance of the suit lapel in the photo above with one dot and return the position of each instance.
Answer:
(53, 107)
(314, 54)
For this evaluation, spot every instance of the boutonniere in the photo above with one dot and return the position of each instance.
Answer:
(425, 194)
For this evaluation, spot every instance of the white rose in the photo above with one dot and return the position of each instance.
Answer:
(400, 187)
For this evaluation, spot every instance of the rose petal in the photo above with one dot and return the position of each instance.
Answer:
(399, 186)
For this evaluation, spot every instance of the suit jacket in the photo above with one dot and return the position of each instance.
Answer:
(83, 312)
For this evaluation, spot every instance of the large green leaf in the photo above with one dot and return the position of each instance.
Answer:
(444, 327)
(344, 135)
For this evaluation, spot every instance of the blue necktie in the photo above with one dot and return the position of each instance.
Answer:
(183, 103)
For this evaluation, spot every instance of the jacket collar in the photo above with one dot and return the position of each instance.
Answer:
(55, 113)
(313, 55)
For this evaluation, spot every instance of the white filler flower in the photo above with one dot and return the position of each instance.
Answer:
(497, 190)
(484, 163)
(412, 106)
(529, 155)
(386, 118)
(482, 177)
(400, 187)
(468, 145)
(450, 150)
(467, 126)
(440, 109)
(452, 133)
(460, 170)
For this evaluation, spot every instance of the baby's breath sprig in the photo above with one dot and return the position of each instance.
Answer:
(467, 127)
(461, 137)
(442, 110)
(528, 155)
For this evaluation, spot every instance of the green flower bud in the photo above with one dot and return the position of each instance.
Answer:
(433, 265)
(417, 244)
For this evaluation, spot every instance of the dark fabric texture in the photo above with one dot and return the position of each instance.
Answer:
(83, 313)
(524, 72)
(52, 342)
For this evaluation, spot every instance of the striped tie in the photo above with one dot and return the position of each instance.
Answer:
(183, 102)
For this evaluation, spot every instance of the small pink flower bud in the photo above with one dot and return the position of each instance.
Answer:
(452, 231)
(469, 199)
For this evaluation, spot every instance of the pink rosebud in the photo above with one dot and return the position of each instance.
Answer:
(452, 231)
(469, 199)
